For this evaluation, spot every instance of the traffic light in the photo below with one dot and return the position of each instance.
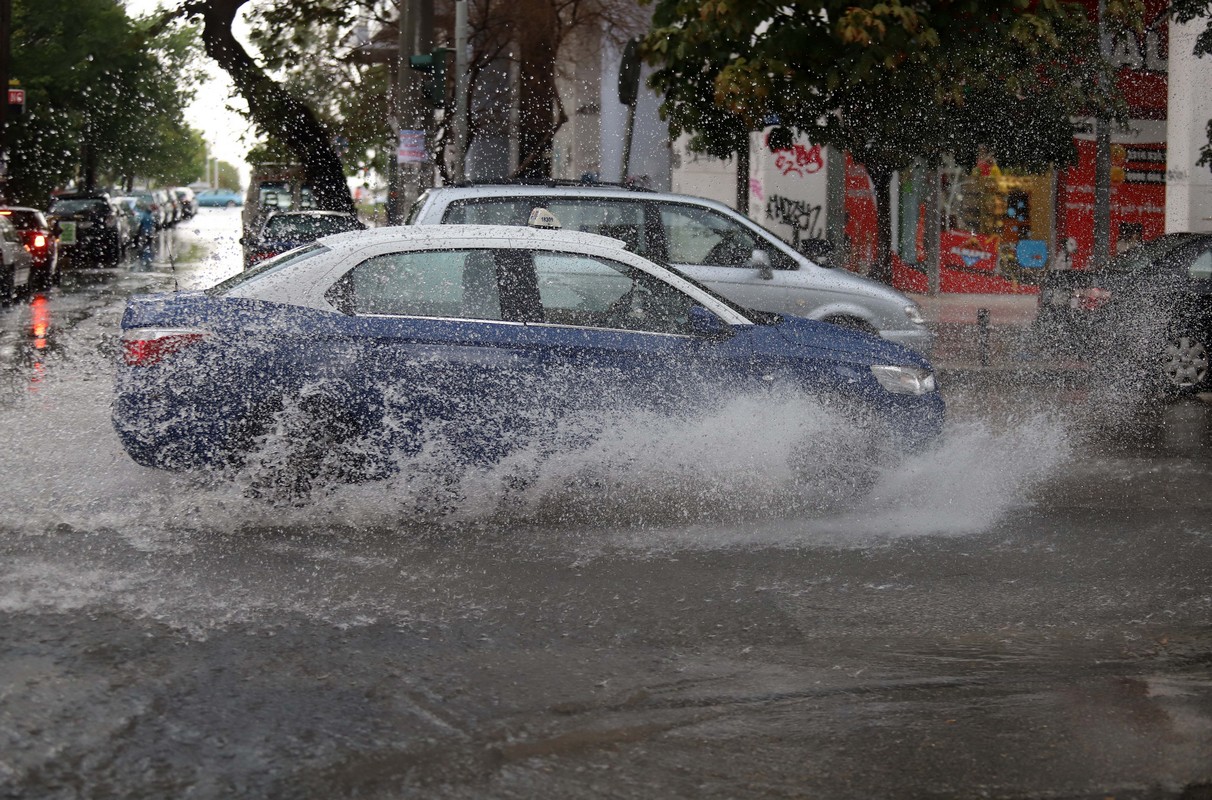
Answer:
(434, 65)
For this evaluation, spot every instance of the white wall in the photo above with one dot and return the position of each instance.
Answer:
(1188, 187)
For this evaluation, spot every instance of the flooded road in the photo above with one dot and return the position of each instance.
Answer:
(1024, 613)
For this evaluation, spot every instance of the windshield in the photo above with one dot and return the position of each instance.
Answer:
(1141, 256)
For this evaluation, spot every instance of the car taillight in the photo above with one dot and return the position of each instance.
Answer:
(142, 347)
(1090, 298)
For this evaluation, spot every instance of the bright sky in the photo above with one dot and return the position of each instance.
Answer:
(210, 113)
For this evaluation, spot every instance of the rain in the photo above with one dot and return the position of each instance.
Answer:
(749, 595)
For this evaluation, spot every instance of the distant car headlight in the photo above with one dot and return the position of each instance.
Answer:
(914, 314)
(904, 380)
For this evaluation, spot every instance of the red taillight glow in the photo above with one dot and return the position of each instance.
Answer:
(34, 240)
(1090, 298)
(143, 347)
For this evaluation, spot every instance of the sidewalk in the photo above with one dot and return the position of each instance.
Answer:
(964, 348)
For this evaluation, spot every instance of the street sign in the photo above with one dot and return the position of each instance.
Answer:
(629, 73)
(16, 101)
(412, 148)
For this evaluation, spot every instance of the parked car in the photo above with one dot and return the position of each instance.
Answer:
(219, 197)
(1146, 316)
(186, 200)
(356, 348)
(91, 228)
(154, 204)
(707, 240)
(16, 265)
(172, 208)
(128, 207)
(286, 230)
(40, 240)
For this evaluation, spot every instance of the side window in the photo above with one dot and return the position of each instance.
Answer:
(618, 219)
(491, 211)
(596, 293)
(701, 236)
(430, 283)
(1201, 267)
(451, 284)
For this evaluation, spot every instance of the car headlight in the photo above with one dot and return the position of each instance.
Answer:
(904, 380)
(914, 314)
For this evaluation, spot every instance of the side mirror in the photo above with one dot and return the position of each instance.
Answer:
(760, 260)
(704, 323)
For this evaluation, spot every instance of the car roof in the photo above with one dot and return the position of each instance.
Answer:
(313, 212)
(589, 191)
(468, 235)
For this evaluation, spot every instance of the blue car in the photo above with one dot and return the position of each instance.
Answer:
(219, 198)
(349, 355)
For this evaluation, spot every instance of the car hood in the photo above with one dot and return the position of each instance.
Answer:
(847, 344)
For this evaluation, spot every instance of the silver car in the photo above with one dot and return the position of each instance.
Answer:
(704, 239)
(16, 264)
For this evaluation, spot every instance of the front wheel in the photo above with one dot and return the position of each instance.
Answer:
(1185, 363)
(839, 464)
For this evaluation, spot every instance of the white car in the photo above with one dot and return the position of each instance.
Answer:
(17, 267)
(704, 239)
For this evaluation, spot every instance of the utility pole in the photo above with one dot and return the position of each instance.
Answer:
(461, 109)
(6, 27)
(1102, 161)
(415, 24)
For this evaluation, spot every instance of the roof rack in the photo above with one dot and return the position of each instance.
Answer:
(583, 181)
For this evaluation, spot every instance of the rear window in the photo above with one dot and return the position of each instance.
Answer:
(26, 220)
(308, 227)
(80, 207)
(268, 267)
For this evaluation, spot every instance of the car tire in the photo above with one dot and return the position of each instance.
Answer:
(8, 288)
(304, 447)
(231, 204)
(840, 466)
(1186, 364)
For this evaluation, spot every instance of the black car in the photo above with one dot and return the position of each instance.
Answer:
(91, 228)
(286, 230)
(1146, 317)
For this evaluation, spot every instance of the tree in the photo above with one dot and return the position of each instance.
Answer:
(304, 43)
(105, 99)
(274, 110)
(892, 83)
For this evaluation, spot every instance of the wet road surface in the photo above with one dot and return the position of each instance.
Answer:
(1024, 613)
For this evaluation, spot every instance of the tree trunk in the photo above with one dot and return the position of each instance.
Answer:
(536, 88)
(881, 182)
(273, 110)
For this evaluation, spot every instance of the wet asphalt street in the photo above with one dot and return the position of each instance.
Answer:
(1024, 613)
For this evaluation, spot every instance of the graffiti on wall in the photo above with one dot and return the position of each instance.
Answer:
(800, 160)
(807, 220)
